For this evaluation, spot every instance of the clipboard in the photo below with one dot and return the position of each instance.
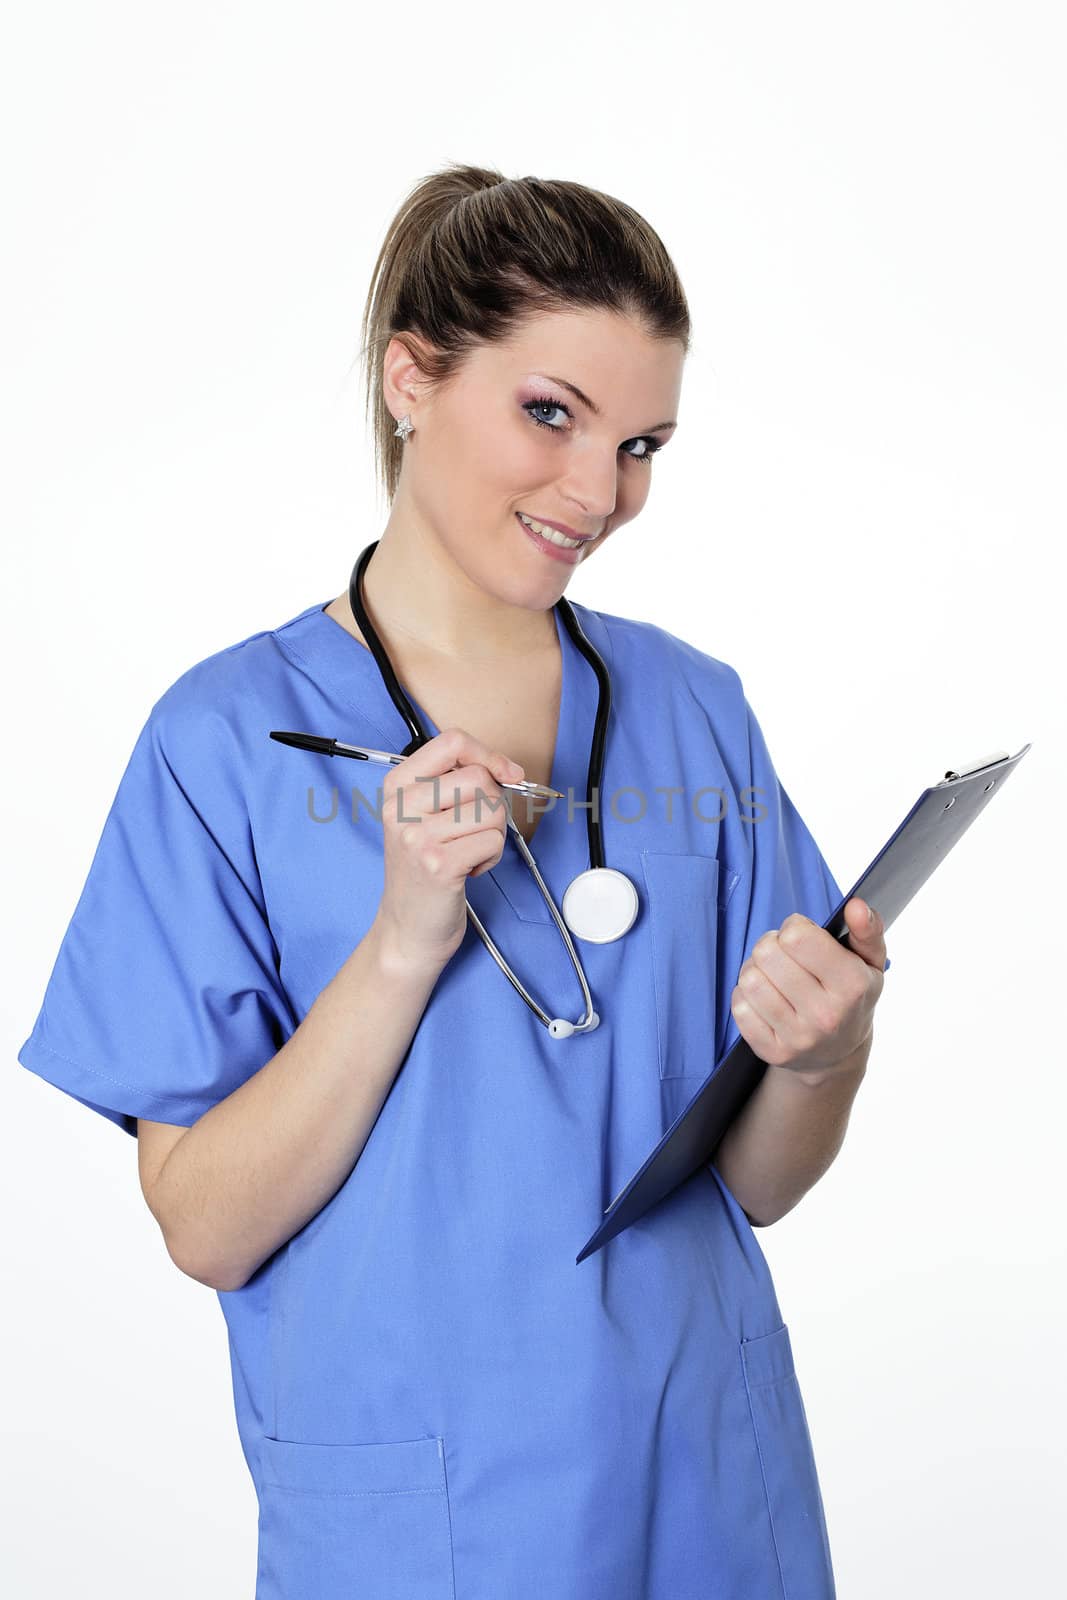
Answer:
(938, 819)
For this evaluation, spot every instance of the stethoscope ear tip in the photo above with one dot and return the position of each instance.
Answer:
(559, 1028)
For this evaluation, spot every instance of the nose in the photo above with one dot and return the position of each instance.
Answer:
(592, 488)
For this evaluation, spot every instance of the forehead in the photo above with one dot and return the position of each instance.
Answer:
(601, 351)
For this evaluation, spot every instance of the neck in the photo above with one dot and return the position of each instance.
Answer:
(416, 595)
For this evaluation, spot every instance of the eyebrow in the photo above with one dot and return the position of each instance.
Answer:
(584, 398)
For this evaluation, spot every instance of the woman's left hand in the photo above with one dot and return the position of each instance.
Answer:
(805, 1001)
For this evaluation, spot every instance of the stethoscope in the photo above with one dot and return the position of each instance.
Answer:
(601, 903)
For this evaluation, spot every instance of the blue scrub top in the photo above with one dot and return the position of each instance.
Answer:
(433, 1399)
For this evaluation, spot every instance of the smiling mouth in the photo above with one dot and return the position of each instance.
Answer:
(545, 531)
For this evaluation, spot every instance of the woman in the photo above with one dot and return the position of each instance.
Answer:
(349, 1123)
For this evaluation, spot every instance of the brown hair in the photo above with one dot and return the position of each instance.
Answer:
(471, 254)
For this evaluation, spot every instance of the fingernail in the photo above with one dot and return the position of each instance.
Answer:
(870, 914)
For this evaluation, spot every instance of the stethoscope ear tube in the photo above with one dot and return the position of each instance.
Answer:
(595, 770)
(419, 735)
(558, 1027)
(590, 1020)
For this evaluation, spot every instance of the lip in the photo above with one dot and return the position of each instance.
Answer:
(560, 527)
(571, 557)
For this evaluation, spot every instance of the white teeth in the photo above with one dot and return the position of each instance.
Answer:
(550, 534)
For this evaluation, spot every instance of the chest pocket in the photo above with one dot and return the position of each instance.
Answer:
(686, 896)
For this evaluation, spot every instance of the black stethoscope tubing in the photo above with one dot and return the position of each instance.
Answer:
(419, 735)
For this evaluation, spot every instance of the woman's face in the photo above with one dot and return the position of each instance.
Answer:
(509, 435)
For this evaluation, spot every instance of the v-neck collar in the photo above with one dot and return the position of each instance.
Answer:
(560, 842)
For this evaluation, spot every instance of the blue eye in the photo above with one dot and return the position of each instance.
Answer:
(546, 402)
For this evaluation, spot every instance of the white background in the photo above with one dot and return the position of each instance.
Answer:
(862, 511)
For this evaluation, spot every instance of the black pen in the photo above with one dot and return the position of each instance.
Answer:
(337, 747)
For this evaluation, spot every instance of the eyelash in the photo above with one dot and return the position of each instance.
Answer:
(653, 445)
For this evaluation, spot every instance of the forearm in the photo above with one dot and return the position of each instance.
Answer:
(259, 1165)
(786, 1136)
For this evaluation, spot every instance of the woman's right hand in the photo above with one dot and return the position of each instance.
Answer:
(436, 834)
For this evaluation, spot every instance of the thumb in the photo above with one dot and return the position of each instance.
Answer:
(863, 922)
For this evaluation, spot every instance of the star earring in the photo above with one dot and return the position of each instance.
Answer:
(404, 428)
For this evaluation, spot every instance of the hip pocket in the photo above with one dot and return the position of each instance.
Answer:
(339, 1520)
(685, 896)
(790, 1481)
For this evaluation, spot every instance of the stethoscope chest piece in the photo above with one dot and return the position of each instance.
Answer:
(600, 905)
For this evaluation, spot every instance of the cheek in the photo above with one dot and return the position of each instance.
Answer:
(473, 481)
(632, 492)
(605, 540)
(507, 468)
(635, 486)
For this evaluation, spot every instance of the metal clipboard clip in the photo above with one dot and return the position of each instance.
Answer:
(975, 766)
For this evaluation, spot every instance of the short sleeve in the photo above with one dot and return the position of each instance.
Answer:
(165, 994)
(788, 871)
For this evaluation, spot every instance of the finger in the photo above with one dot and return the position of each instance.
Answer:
(789, 997)
(753, 1027)
(782, 990)
(477, 812)
(817, 951)
(866, 931)
(432, 793)
(455, 747)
